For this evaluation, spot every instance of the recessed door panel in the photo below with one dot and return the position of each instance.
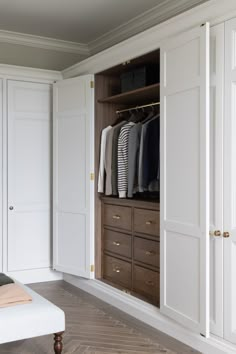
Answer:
(185, 179)
(29, 176)
(73, 205)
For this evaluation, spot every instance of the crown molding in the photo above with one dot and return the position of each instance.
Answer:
(25, 73)
(213, 11)
(160, 13)
(163, 11)
(44, 43)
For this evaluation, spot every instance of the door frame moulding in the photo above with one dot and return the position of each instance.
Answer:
(213, 11)
(150, 315)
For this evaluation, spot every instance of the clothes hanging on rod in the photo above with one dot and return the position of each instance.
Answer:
(111, 157)
(133, 155)
(101, 173)
(148, 169)
(123, 144)
(129, 157)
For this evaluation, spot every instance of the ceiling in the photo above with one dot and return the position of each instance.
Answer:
(92, 25)
(79, 21)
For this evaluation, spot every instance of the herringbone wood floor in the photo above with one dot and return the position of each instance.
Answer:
(94, 327)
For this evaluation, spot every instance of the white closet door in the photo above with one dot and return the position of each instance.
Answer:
(73, 164)
(230, 183)
(216, 177)
(185, 179)
(29, 226)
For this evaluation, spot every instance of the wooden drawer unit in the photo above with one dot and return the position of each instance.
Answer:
(146, 282)
(147, 251)
(117, 242)
(147, 221)
(117, 271)
(118, 216)
(131, 247)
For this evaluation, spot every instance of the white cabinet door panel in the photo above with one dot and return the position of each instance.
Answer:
(230, 183)
(71, 173)
(216, 177)
(29, 175)
(185, 179)
(73, 163)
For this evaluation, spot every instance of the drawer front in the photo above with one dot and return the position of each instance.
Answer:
(117, 216)
(147, 221)
(147, 251)
(117, 242)
(147, 282)
(117, 271)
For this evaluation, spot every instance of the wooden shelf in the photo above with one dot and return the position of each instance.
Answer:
(142, 95)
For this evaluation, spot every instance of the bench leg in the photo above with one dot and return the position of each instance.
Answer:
(58, 343)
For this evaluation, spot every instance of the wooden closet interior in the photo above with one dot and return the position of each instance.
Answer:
(126, 230)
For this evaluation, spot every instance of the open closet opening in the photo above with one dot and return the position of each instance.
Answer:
(127, 130)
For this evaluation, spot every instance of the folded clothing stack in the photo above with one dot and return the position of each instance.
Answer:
(11, 293)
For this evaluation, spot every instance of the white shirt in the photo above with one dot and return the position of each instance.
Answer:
(101, 173)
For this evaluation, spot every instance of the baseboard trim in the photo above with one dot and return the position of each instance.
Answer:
(36, 275)
(150, 315)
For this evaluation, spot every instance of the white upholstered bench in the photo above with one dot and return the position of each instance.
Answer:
(35, 319)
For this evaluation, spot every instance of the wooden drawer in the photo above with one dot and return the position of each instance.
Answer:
(146, 282)
(117, 242)
(147, 251)
(147, 221)
(117, 216)
(117, 271)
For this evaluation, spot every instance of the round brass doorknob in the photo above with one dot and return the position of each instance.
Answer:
(226, 234)
(217, 233)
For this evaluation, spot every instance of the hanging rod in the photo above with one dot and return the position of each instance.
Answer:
(138, 107)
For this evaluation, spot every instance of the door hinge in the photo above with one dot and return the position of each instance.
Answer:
(92, 84)
(92, 268)
(91, 176)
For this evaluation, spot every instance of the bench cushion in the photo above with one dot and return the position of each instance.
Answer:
(35, 319)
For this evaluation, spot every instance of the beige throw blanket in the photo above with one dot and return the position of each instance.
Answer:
(13, 294)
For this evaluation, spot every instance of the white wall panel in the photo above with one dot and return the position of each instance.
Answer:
(29, 176)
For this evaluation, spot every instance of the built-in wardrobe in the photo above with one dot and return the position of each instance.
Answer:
(84, 218)
(187, 262)
(127, 229)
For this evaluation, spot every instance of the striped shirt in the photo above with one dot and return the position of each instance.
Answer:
(123, 144)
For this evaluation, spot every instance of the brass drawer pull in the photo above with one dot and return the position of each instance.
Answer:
(217, 233)
(149, 283)
(226, 234)
(149, 222)
(116, 270)
(115, 243)
(150, 253)
(116, 217)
